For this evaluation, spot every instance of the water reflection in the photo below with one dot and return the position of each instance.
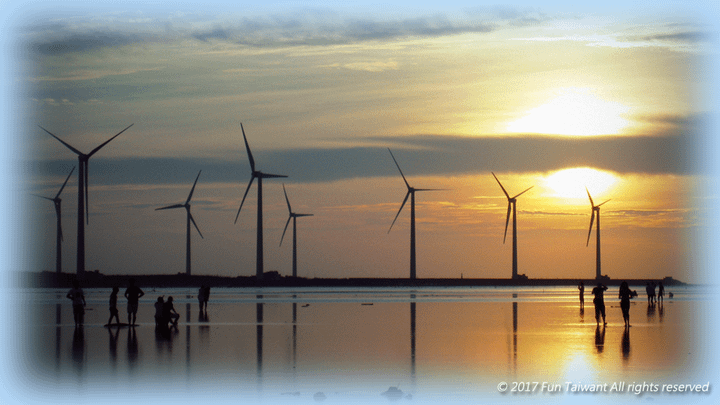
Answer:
(259, 347)
(626, 346)
(344, 345)
(600, 338)
(78, 350)
(114, 334)
(132, 348)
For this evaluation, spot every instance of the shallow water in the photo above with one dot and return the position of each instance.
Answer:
(275, 345)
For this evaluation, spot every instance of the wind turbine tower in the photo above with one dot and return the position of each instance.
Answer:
(189, 219)
(512, 207)
(294, 218)
(595, 208)
(58, 213)
(410, 193)
(256, 174)
(83, 205)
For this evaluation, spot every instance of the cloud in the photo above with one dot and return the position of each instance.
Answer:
(419, 155)
(306, 27)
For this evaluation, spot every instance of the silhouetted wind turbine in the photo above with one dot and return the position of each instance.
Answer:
(511, 207)
(410, 193)
(189, 219)
(259, 175)
(83, 205)
(58, 201)
(294, 218)
(595, 208)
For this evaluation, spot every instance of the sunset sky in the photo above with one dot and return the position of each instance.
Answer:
(559, 97)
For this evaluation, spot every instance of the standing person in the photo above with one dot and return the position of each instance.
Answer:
(133, 295)
(201, 297)
(649, 293)
(169, 312)
(78, 302)
(625, 295)
(581, 287)
(599, 302)
(661, 293)
(113, 306)
(159, 312)
(206, 297)
(652, 292)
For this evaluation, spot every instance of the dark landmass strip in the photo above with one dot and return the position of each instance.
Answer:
(273, 279)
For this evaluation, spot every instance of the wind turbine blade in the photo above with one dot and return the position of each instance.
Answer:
(193, 188)
(592, 219)
(271, 176)
(507, 221)
(591, 200)
(247, 146)
(398, 166)
(61, 141)
(432, 189)
(602, 203)
(304, 215)
(170, 207)
(286, 227)
(47, 198)
(401, 207)
(501, 186)
(243, 200)
(523, 192)
(66, 180)
(108, 141)
(87, 186)
(193, 221)
(288, 204)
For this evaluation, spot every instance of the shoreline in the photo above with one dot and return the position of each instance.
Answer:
(99, 280)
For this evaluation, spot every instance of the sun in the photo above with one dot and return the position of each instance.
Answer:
(575, 111)
(571, 183)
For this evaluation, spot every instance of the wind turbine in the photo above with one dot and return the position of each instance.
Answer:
(256, 174)
(58, 201)
(83, 205)
(189, 219)
(410, 193)
(511, 207)
(595, 208)
(294, 218)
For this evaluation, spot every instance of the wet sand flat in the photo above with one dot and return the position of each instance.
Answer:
(449, 344)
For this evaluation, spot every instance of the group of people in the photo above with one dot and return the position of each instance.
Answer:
(164, 309)
(650, 290)
(625, 294)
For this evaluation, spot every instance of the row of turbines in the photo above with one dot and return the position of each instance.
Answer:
(83, 214)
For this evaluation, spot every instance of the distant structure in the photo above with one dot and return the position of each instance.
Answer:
(58, 214)
(595, 208)
(512, 207)
(189, 219)
(83, 205)
(410, 193)
(294, 218)
(256, 174)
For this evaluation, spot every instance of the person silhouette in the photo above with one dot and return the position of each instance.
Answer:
(169, 313)
(581, 287)
(113, 306)
(159, 312)
(625, 295)
(77, 297)
(661, 292)
(133, 295)
(599, 302)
